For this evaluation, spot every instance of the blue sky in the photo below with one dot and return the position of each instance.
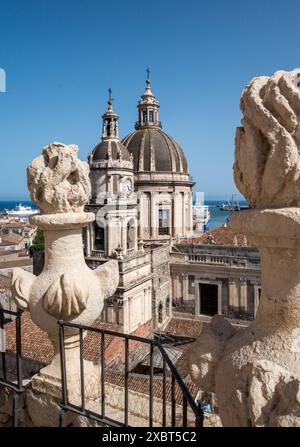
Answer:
(60, 58)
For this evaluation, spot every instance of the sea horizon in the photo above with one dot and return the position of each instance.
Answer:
(218, 217)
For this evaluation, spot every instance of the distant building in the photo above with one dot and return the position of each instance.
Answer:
(142, 200)
(18, 233)
(15, 240)
(5, 295)
(217, 273)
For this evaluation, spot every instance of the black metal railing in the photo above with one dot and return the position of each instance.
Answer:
(14, 384)
(178, 385)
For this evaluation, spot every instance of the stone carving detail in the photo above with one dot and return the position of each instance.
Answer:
(66, 289)
(255, 372)
(267, 160)
(65, 298)
(58, 181)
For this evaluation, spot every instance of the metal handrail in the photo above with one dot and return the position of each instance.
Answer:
(17, 388)
(188, 400)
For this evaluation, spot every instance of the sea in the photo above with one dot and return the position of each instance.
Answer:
(218, 217)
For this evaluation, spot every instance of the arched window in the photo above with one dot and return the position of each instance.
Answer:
(99, 237)
(130, 234)
(163, 222)
(160, 313)
(168, 307)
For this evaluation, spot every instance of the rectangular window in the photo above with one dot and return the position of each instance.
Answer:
(208, 299)
(115, 184)
(151, 116)
(145, 117)
(163, 222)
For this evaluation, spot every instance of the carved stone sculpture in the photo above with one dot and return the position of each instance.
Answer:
(66, 289)
(255, 372)
(267, 159)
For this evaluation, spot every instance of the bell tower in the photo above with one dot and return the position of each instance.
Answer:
(113, 199)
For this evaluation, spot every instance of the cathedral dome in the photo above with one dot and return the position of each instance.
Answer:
(110, 149)
(155, 150)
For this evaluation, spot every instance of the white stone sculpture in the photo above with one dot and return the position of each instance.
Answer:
(255, 372)
(66, 289)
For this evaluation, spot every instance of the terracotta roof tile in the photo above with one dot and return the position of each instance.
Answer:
(184, 327)
(12, 238)
(218, 236)
(36, 346)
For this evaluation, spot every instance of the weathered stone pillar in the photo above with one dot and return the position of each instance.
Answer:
(66, 289)
(256, 371)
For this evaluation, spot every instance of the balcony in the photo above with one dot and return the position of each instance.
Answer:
(166, 400)
(98, 253)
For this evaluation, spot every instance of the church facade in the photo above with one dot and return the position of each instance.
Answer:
(142, 200)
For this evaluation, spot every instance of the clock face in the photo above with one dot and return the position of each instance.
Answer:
(128, 186)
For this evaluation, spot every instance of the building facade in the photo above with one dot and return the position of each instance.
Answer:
(134, 222)
(162, 179)
(142, 200)
(215, 279)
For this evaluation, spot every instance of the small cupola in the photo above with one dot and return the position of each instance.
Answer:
(110, 128)
(148, 108)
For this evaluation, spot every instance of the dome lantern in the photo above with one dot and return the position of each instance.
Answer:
(111, 150)
(110, 121)
(148, 108)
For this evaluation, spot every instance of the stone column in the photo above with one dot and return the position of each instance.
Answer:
(183, 231)
(176, 286)
(88, 241)
(176, 212)
(233, 297)
(256, 298)
(154, 217)
(141, 222)
(185, 288)
(243, 294)
(109, 234)
(189, 215)
(123, 235)
(126, 315)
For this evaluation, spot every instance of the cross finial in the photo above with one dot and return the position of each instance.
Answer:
(148, 73)
(110, 98)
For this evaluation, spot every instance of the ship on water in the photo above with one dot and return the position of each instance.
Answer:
(21, 211)
(233, 205)
(201, 214)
